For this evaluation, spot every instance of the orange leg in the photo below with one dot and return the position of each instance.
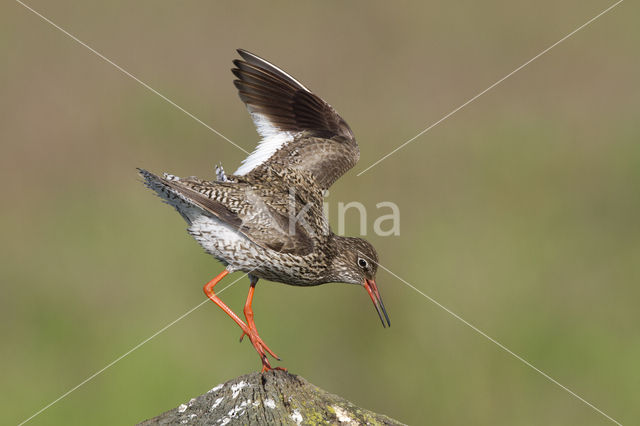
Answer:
(249, 330)
(248, 311)
(253, 331)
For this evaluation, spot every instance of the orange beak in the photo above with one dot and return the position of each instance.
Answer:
(372, 289)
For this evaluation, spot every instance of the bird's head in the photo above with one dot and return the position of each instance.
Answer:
(356, 262)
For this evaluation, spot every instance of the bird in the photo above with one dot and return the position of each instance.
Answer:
(267, 219)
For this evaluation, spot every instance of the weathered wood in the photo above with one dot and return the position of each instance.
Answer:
(275, 397)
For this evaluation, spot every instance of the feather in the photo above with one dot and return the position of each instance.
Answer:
(282, 110)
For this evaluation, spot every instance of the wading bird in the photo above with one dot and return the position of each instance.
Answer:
(267, 219)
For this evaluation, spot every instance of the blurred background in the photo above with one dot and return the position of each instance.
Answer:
(519, 213)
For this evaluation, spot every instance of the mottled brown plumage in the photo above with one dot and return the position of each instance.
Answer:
(267, 219)
(322, 142)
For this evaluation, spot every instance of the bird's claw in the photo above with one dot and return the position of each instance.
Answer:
(268, 367)
(260, 347)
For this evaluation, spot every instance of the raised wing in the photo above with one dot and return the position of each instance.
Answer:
(299, 130)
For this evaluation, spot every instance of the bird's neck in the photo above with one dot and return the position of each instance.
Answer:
(332, 251)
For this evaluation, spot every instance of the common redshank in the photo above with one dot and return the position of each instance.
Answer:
(267, 219)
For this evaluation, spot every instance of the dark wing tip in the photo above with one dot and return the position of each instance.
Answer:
(263, 65)
(248, 56)
(290, 106)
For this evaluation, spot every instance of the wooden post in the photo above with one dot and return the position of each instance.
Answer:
(275, 397)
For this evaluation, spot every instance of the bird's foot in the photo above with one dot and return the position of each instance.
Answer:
(266, 368)
(260, 347)
(258, 343)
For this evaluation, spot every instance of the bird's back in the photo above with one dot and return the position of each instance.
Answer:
(268, 224)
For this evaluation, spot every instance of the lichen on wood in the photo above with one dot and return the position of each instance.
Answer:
(274, 397)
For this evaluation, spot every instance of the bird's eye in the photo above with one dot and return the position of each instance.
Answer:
(363, 263)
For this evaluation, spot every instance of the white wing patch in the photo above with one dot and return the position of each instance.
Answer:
(272, 140)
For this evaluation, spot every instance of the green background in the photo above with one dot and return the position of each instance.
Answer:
(519, 213)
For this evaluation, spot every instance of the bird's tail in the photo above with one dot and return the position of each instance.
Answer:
(161, 187)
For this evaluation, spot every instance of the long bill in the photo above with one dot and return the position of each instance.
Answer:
(372, 289)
